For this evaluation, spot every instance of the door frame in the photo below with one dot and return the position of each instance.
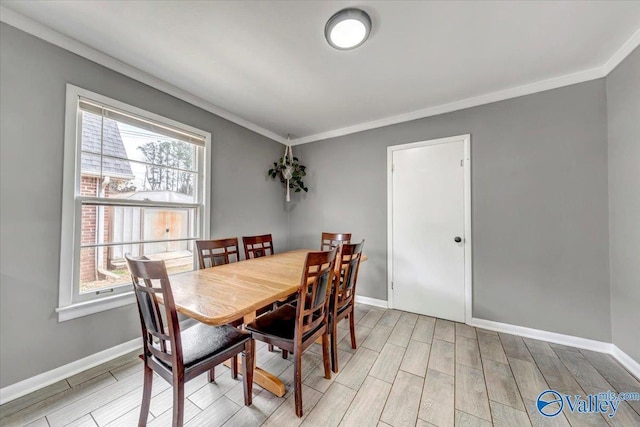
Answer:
(468, 276)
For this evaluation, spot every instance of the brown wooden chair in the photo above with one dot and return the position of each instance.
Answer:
(296, 328)
(179, 356)
(212, 253)
(343, 295)
(331, 240)
(257, 246)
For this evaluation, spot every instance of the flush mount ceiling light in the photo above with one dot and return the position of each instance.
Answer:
(348, 29)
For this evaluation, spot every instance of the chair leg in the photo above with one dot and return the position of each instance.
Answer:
(146, 396)
(212, 374)
(248, 356)
(334, 347)
(352, 329)
(285, 354)
(273, 307)
(234, 367)
(297, 373)
(325, 356)
(178, 402)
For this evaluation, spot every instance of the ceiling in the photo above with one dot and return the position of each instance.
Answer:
(267, 62)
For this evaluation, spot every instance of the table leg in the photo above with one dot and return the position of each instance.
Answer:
(264, 379)
(261, 377)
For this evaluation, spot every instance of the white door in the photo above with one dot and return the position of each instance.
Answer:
(428, 228)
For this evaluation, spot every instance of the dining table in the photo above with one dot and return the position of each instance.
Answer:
(225, 293)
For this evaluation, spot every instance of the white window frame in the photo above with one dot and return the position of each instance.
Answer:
(70, 306)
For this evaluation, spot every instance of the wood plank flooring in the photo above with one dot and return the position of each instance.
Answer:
(408, 370)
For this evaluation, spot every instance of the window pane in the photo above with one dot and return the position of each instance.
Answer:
(131, 162)
(124, 117)
(104, 268)
(92, 132)
(98, 272)
(125, 224)
(149, 183)
(154, 183)
(125, 141)
(104, 137)
(89, 226)
(150, 147)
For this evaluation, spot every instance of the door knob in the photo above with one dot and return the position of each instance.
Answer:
(457, 239)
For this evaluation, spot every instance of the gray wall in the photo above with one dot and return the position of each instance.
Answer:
(623, 109)
(32, 87)
(540, 202)
(539, 208)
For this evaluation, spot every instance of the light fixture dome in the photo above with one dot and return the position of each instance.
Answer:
(348, 29)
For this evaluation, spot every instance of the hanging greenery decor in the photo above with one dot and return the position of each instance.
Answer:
(290, 172)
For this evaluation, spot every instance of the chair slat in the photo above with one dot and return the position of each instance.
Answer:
(332, 240)
(212, 253)
(258, 246)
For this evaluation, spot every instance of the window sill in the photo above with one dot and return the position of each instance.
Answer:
(87, 308)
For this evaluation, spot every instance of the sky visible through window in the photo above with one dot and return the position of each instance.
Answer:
(134, 138)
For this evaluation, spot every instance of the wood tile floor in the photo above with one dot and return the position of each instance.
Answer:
(409, 370)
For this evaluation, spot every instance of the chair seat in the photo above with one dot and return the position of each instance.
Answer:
(280, 323)
(201, 342)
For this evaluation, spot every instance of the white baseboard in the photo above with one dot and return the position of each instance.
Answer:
(44, 379)
(372, 301)
(553, 337)
(600, 346)
(626, 361)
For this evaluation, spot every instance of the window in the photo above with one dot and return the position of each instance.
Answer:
(134, 183)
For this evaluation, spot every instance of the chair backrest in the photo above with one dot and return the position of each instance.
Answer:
(347, 267)
(212, 253)
(314, 291)
(257, 246)
(150, 278)
(331, 240)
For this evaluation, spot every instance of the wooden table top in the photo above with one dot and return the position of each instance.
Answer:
(221, 294)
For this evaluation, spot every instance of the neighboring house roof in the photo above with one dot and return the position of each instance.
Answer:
(113, 146)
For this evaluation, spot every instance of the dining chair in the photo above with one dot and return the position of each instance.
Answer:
(331, 240)
(212, 253)
(342, 303)
(296, 328)
(181, 355)
(257, 246)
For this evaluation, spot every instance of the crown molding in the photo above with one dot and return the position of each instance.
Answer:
(540, 86)
(624, 51)
(41, 31)
(47, 34)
